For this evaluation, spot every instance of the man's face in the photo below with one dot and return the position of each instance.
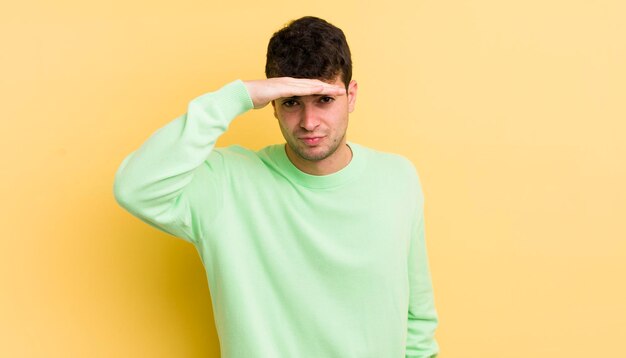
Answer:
(315, 126)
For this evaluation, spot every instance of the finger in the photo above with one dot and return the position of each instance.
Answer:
(334, 90)
(320, 90)
(289, 87)
(319, 87)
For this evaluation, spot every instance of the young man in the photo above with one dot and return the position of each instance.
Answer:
(313, 248)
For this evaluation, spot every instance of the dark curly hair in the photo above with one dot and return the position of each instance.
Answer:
(309, 47)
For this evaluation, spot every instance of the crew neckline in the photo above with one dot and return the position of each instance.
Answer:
(340, 177)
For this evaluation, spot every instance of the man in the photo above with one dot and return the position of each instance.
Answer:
(313, 248)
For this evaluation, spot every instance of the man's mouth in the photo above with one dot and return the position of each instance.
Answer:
(311, 140)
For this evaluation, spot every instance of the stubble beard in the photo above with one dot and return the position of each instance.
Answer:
(300, 149)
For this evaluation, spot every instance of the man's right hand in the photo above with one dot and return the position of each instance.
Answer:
(263, 92)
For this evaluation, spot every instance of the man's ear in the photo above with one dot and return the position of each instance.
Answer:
(352, 91)
(274, 107)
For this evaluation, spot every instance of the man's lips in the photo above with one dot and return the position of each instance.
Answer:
(311, 140)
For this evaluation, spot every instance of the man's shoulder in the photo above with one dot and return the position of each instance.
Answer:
(231, 156)
(396, 170)
(234, 149)
(236, 156)
(240, 150)
(379, 157)
(393, 164)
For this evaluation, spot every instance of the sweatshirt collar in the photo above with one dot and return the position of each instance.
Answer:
(348, 173)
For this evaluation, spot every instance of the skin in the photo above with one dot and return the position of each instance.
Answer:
(310, 108)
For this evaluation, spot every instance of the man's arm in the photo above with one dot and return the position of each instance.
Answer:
(151, 182)
(155, 182)
(423, 318)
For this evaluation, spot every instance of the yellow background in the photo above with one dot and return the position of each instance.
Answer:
(512, 111)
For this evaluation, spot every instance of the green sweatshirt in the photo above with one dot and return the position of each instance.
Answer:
(298, 265)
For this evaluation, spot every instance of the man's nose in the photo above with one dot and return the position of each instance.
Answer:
(309, 119)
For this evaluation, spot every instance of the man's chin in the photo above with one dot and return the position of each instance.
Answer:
(313, 154)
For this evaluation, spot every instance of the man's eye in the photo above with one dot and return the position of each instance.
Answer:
(326, 99)
(289, 103)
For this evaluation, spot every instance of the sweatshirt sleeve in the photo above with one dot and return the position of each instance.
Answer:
(423, 318)
(175, 173)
